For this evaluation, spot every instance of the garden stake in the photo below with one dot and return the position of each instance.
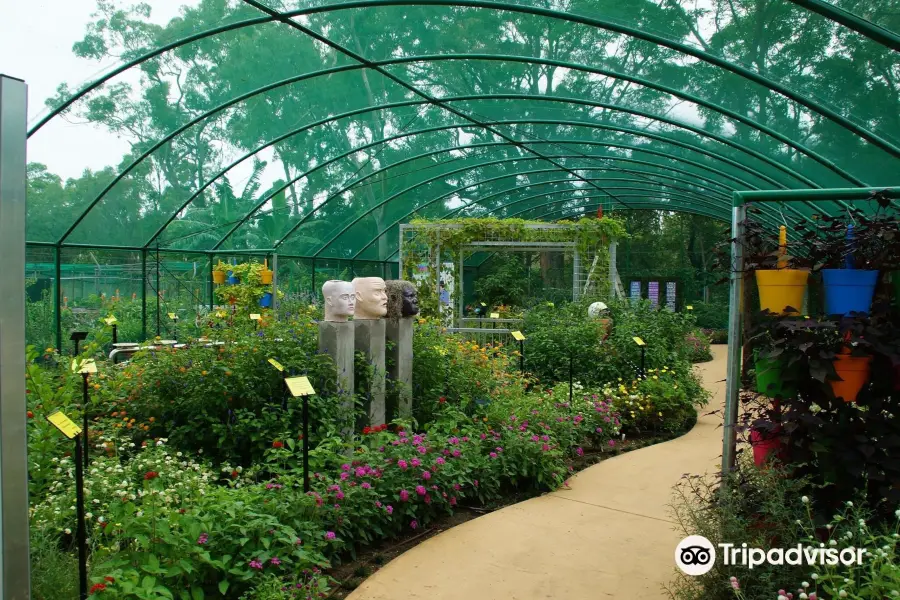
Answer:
(643, 362)
(570, 379)
(84, 410)
(76, 337)
(80, 529)
(306, 444)
(522, 356)
(115, 333)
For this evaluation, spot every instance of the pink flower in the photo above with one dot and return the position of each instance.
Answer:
(340, 495)
(345, 476)
(535, 438)
(493, 455)
(389, 509)
(365, 485)
(426, 475)
(298, 542)
(422, 449)
(360, 472)
(579, 451)
(439, 460)
(404, 495)
(456, 453)
(402, 434)
(255, 564)
(734, 583)
(453, 501)
(546, 438)
(417, 439)
(378, 503)
(456, 486)
(420, 490)
(483, 436)
(599, 430)
(499, 449)
(427, 499)
(345, 467)
(330, 535)
(402, 464)
(545, 447)
(415, 462)
(414, 524)
(204, 537)
(612, 443)
(275, 560)
(453, 441)
(476, 483)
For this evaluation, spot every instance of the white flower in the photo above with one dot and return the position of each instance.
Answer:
(68, 531)
(814, 576)
(89, 515)
(140, 513)
(895, 593)
(95, 501)
(842, 594)
(239, 469)
(804, 585)
(101, 520)
(781, 597)
(803, 596)
(805, 499)
(832, 542)
(849, 503)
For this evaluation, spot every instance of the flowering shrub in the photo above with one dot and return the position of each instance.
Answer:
(697, 344)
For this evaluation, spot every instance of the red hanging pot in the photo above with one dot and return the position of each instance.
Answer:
(766, 444)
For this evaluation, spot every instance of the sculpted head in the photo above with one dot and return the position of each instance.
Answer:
(371, 298)
(403, 299)
(340, 300)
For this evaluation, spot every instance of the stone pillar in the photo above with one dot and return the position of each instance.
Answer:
(400, 362)
(370, 336)
(337, 340)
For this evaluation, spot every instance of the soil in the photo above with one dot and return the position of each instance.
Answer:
(348, 576)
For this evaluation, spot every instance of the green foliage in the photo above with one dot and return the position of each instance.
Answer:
(711, 315)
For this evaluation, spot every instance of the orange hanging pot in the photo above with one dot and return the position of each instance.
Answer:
(265, 277)
(854, 373)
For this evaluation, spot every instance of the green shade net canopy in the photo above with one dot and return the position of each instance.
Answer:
(380, 111)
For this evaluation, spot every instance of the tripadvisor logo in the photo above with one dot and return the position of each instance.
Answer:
(695, 555)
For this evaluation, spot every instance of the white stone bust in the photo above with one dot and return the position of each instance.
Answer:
(340, 300)
(371, 298)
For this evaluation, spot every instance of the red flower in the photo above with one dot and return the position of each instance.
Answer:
(30, 414)
(150, 475)
(110, 579)
(277, 444)
(367, 430)
(97, 587)
(442, 399)
(234, 474)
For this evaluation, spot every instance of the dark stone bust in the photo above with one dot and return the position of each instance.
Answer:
(403, 299)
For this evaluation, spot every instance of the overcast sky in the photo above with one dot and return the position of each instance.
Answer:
(36, 38)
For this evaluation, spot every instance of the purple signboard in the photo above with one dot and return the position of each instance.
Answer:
(653, 293)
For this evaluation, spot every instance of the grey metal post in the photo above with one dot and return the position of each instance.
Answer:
(735, 330)
(462, 290)
(275, 284)
(576, 269)
(14, 553)
(400, 253)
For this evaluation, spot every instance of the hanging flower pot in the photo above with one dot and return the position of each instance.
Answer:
(218, 277)
(266, 300)
(766, 444)
(265, 276)
(770, 379)
(848, 290)
(232, 279)
(780, 289)
(854, 373)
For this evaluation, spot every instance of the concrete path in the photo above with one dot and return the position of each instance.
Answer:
(609, 536)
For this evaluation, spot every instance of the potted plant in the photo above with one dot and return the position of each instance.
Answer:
(219, 273)
(851, 251)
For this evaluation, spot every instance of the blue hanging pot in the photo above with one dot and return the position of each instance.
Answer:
(232, 279)
(848, 290)
(266, 300)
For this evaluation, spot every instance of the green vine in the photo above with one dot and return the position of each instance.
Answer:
(591, 236)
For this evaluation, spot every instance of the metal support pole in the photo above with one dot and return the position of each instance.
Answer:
(314, 294)
(462, 289)
(735, 330)
(158, 329)
(80, 527)
(576, 269)
(275, 284)
(209, 284)
(57, 300)
(84, 414)
(14, 553)
(400, 253)
(144, 295)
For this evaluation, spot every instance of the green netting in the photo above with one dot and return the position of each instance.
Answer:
(372, 112)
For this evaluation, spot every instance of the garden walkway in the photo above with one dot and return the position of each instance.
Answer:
(609, 536)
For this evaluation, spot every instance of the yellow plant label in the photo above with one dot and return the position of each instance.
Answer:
(110, 320)
(689, 307)
(66, 425)
(276, 364)
(84, 366)
(220, 314)
(173, 316)
(483, 304)
(639, 341)
(255, 317)
(495, 315)
(517, 335)
(300, 386)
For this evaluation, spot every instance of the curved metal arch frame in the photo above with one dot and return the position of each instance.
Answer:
(434, 200)
(468, 98)
(619, 28)
(840, 16)
(531, 121)
(652, 152)
(343, 68)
